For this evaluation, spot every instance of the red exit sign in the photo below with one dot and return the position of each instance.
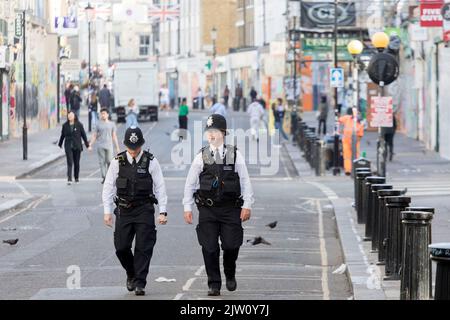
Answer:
(431, 14)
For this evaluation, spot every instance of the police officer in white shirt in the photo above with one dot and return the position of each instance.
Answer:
(135, 183)
(219, 184)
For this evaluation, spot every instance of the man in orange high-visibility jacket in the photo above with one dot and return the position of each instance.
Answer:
(347, 123)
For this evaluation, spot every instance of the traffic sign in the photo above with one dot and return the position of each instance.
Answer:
(337, 77)
(381, 112)
(18, 25)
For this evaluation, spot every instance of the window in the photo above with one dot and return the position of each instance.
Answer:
(144, 45)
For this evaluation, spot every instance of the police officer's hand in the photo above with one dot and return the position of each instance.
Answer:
(245, 214)
(162, 218)
(188, 217)
(107, 219)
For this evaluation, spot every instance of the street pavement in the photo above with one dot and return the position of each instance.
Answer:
(61, 232)
(425, 175)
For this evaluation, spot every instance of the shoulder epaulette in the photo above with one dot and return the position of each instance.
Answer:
(121, 157)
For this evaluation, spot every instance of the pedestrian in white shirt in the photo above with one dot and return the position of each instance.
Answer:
(257, 113)
(219, 184)
(135, 183)
(219, 107)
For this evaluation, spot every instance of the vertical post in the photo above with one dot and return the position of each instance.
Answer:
(214, 69)
(355, 110)
(336, 169)
(264, 22)
(89, 74)
(381, 145)
(24, 129)
(58, 91)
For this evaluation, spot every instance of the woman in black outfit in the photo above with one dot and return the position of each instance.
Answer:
(72, 132)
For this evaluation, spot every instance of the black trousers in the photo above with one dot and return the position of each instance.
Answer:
(223, 222)
(139, 223)
(73, 159)
(324, 123)
(389, 138)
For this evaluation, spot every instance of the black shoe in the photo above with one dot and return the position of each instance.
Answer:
(139, 291)
(130, 284)
(231, 284)
(213, 291)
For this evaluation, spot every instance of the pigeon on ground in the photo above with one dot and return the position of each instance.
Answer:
(404, 191)
(272, 224)
(11, 241)
(258, 240)
(9, 229)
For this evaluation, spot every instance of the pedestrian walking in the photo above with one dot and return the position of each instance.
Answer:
(165, 99)
(93, 108)
(323, 114)
(132, 114)
(183, 119)
(238, 94)
(257, 113)
(278, 113)
(226, 95)
(75, 101)
(219, 107)
(68, 94)
(104, 97)
(253, 94)
(200, 98)
(71, 134)
(347, 121)
(218, 180)
(389, 133)
(105, 135)
(135, 183)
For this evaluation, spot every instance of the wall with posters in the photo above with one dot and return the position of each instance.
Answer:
(40, 87)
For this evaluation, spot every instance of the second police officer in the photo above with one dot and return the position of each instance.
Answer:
(135, 183)
(219, 184)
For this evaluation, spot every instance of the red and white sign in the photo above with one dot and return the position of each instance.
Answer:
(430, 13)
(382, 112)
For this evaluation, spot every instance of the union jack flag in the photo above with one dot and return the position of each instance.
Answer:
(164, 12)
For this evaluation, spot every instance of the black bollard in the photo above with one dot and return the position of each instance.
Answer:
(359, 181)
(375, 212)
(394, 207)
(440, 252)
(320, 158)
(382, 221)
(415, 272)
(367, 203)
(431, 210)
(358, 164)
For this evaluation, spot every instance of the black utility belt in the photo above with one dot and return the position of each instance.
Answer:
(208, 202)
(134, 204)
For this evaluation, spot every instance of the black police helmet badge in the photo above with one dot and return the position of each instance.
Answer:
(216, 121)
(133, 138)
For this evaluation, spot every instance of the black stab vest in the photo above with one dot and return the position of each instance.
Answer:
(219, 182)
(134, 183)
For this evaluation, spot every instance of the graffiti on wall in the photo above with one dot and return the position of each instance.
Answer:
(40, 97)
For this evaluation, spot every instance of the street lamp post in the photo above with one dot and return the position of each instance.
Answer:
(380, 41)
(336, 167)
(24, 129)
(355, 47)
(214, 38)
(90, 11)
(23, 26)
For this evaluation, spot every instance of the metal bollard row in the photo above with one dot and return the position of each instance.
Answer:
(400, 234)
